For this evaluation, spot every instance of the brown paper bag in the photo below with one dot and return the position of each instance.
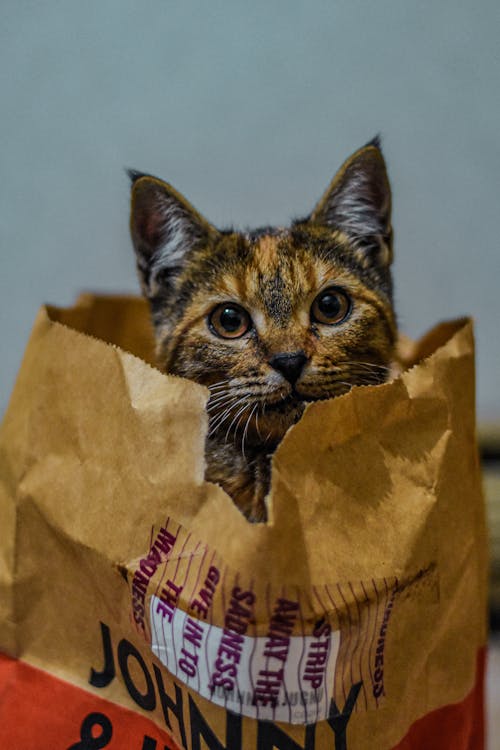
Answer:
(139, 609)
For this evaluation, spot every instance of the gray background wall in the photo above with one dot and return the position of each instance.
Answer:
(248, 108)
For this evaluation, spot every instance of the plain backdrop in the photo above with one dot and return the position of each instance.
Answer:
(248, 109)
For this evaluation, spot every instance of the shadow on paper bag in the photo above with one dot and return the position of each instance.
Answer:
(140, 610)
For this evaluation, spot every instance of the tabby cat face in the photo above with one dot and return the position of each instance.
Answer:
(271, 319)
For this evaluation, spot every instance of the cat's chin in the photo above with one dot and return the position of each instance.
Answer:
(270, 427)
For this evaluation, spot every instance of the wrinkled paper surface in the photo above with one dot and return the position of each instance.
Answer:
(368, 580)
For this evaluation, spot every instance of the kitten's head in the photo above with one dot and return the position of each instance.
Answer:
(274, 318)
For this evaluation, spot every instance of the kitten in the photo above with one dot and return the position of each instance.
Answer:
(269, 319)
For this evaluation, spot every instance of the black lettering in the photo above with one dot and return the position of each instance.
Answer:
(108, 673)
(338, 720)
(200, 729)
(150, 744)
(170, 706)
(88, 740)
(269, 737)
(146, 700)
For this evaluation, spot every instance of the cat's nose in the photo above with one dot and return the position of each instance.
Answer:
(290, 365)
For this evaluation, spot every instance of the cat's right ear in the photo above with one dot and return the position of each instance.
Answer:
(164, 227)
(358, 202)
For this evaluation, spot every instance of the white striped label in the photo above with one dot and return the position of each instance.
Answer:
(279, 677)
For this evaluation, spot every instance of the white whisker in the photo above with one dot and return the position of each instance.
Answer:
(221, 418)
(369, 365)
(241, 411)
(218, 383)
(246, 429)
(220, 399)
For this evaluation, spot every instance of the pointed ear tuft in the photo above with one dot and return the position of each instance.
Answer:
(358, 203)
(375, 141)
(134, 175)
(164, 227)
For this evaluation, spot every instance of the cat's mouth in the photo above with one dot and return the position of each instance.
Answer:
(294, 399)
(284, 404)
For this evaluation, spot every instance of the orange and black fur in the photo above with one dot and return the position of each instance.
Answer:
(269, 319)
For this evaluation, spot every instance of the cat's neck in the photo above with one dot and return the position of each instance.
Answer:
(244, 476)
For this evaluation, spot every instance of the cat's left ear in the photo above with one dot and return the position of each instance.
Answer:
(358, 202)
(164, 228)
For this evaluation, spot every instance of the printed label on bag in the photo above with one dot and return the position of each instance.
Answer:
(262, 650)
(281, 677)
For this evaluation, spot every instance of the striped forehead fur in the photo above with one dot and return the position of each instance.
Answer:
(269, 261)
(270, 284)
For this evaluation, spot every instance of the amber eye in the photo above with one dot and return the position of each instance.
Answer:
(330, 307)
(229, 321)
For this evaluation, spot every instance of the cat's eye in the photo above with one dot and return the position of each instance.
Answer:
(229, 321)
(331, 307)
